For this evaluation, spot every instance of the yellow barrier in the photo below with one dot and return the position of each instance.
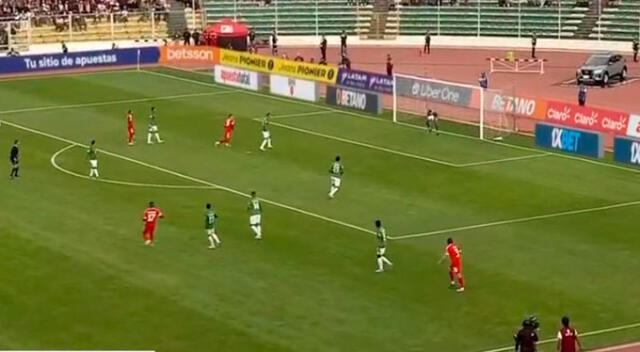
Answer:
(268, 64)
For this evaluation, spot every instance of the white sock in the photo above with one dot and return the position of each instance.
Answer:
(149, 138)
(264, 143)
(269, 143)
(380, 264)
(333, 191)
(212, 242)
(158, 137)
(259, 231)
(386, 261)
(97, 174)
(216, 239)
(255, 229)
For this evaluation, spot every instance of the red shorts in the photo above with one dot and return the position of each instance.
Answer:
(456, 268)
(149, 232)
(131, 131)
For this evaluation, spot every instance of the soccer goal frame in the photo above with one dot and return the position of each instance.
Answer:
(457, 95)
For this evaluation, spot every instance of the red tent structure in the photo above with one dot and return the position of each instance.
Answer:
(227, 34)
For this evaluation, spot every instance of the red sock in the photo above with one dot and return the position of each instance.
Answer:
(461, 281)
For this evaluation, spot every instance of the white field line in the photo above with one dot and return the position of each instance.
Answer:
(619, 347)
(112, 102)
(345, 112)
(365, 145)
(193, 179)
(518, 220)
(116, 182)
(312, 113)
(584, 334)
(42, 75)
(496, 161)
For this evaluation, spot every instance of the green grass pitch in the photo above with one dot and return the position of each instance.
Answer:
(75, 274)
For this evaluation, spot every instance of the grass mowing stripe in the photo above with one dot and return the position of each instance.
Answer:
(112, 102)
(116, 182)
(196, 180)
(365, 145)
(518, 220)
(586, 334)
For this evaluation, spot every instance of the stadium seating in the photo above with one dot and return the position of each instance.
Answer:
(293, 17)
(620, 22)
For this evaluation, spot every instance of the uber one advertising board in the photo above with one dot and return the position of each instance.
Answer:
(236, 77)
(626, 150)
(570, 140)
(294, 88)
(354, 99)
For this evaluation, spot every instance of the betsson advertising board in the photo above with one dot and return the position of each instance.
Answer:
(294, 88)
(236, 77)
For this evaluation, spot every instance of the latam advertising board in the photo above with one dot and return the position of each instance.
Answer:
(354, 99)
(236, 78)
(366, 81)
(434, 91)
(188, 54)
(593, 119)
(570, 140)
(79, 60)
(294, 88)
(627, 150)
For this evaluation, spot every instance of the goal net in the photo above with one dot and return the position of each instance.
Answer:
(480, 112)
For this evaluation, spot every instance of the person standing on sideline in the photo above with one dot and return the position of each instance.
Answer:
(483, 81)
(343, 43)
(527, 337)
(274, 43)
(635, 46)
(582, 95)
(568, 338)
(427, 43)
(389, 65)
(323, 48)
(252, 39)
(534, 42)
(14, 158)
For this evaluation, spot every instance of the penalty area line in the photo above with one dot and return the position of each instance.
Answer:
(196, 180)
(55, 164)
(518, 220)
(586, 334)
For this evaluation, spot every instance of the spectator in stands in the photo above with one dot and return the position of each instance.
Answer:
(582, 95)
(64, 47)
(568, 338)
(427, 43)
(323, 48)
(483, 81)
(274, 43)
(389, 65)
(186, 37)
(343, 43)
(635, 46)
(534, 42)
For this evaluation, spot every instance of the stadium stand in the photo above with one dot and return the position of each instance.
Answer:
(295, 17)
(619, 21)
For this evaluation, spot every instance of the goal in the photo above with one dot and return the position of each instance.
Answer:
(480, 112)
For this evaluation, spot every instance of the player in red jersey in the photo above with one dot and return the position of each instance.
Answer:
(130, 128)
(455, 268)
(150, 219)
(229, 125)
(568, 338)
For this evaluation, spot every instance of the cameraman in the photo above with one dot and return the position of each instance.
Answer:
(527, 337)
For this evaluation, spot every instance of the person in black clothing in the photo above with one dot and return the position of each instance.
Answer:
(534, 42)
(323, 48)
(635, 48)
(346, 62)
(343, 43)
(252, 38)
(274, 43)
(427, 43)
(527, 337)
(196, 37)
(14, 156)
(186, 37)
(64, 48)
(389, 65)
(582, 95)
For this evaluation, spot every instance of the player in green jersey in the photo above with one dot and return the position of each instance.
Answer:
(92, 155)
(381, 235)
(153, 128)
(255, 215)
(336, 172)
(266, 134)
(210, 218)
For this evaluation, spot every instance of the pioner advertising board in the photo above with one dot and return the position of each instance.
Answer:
(354, 99)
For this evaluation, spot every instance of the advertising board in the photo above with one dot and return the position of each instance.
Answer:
(354, 99)
(365, 81)
(570, 140)
(294, 88)
(626, 150)
(236, 77)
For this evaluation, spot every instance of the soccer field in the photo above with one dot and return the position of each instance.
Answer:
(541, 233)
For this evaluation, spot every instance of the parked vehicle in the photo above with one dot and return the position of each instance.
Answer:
(600, 68)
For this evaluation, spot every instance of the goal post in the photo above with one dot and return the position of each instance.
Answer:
(465, 104)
